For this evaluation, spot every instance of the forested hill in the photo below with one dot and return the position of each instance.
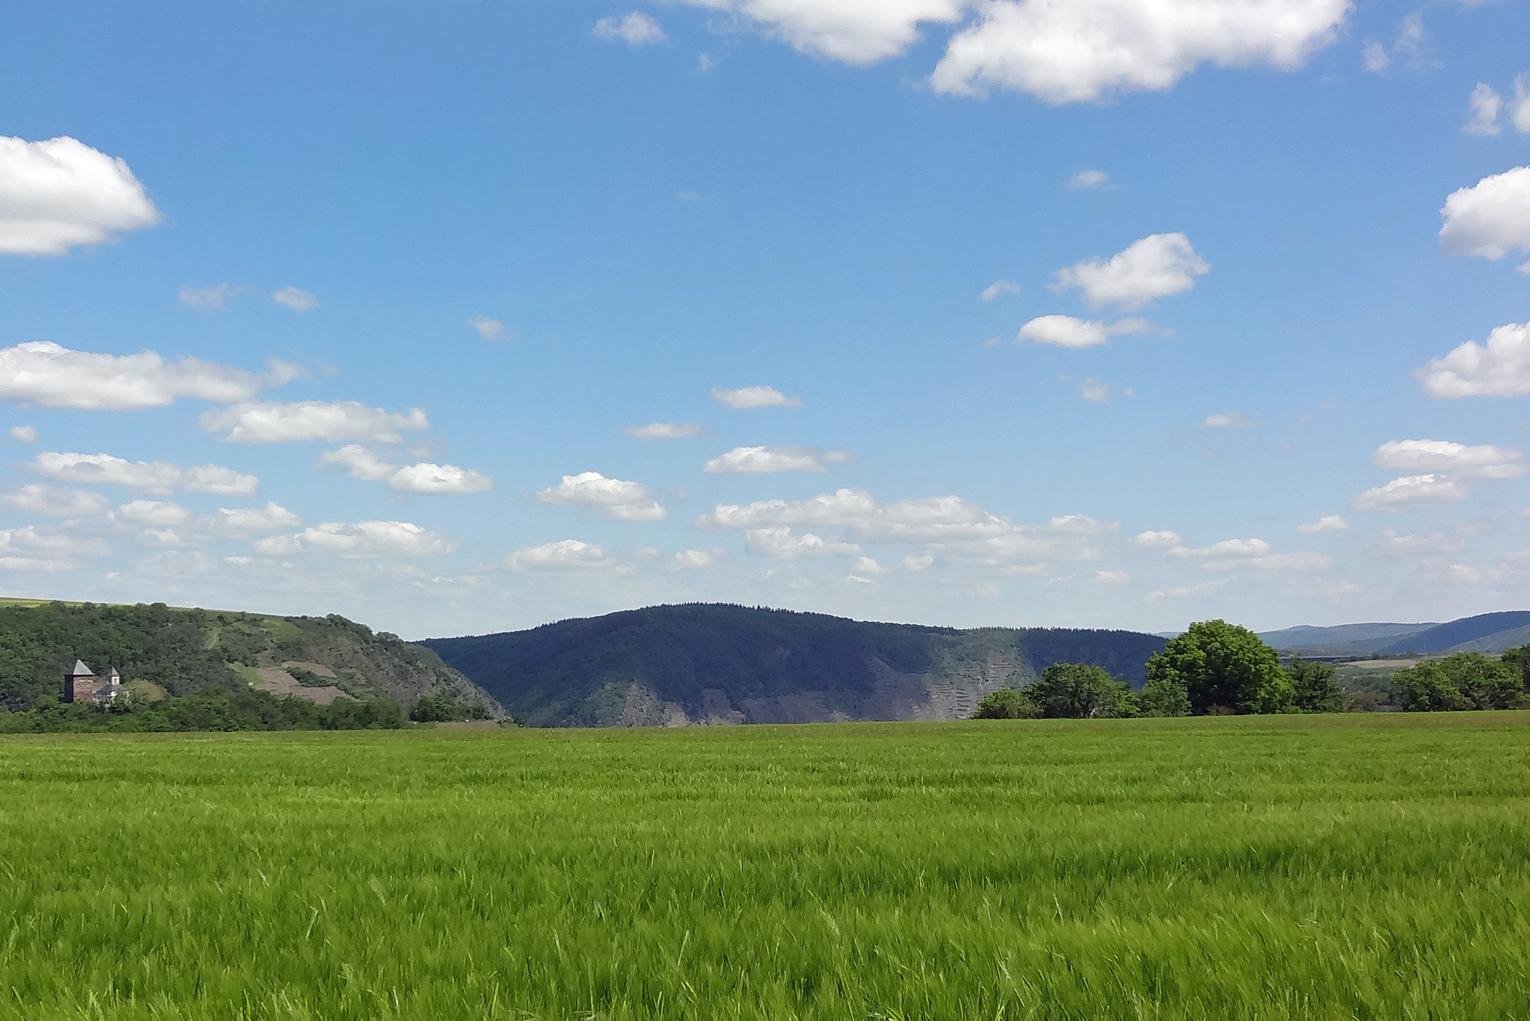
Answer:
(165, 651)
(705, 663)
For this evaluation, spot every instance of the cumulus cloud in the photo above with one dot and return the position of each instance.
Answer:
(55, 501)
(425, 477)
(273, 517)
(1227, 420)
(1158, 539)
(1519, 106)
(60, 193)
(22, 433)
(1410, 47)
(153, 513)
(1499, 368)
(954, 526)
(765, 460)
(748, 398)
(335, 421)
(1067, 331)
(785, 544)
(1484, 105)
(1295, 562)
(363, 539)
(1327, 523)
(664, 431)
(851, 31)
(634, 29)
(1088, 180)
(1084, 50)
(1456, 459)
(210, 298)
(1490, 219)
(28, 549)
(1411, 491)
(998, 289)
(1224, 549)
(1157, 266)
(296, 299)
(42, 372)
(149, 476)
(694, 559)
(488, 329)
(614, 498)
(564, 555)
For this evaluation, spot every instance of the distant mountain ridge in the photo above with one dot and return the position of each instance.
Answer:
(1486, 632)
(718, 663)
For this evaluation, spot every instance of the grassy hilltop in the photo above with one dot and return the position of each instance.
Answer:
(163, 650)
(1279, 867)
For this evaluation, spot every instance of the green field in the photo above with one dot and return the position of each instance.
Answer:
(1281, 867)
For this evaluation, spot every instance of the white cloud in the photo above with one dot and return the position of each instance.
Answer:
(27, 549)
(23, 433)
(336, 421)
(1411, 491)
(1157, 539)
(363, 539)
(1067, 331)
(1424, 543)
(634, 29)
(1519, 106)
(1490, 219)
(851, 31)
(1094, 391)
(150, 476)
(45, 373)
(1184, 591)
(1327, 523)
(1112, 578)
(424, 478)
(786, 544)
(1411, 46)
(748, 398)
(1083, 50)
(1088, 180)
(1499, 368)
(488, 329)
(1375, 58)
(998, 289)
(296, 299)
(273, 517)
(1225, 548)
(1227, 420)
(153, 513)
(55, 502)
(1274, 562)
(1456, 459)
(765, 460)
(565, 555)
(209, 298)
(1157, 266)
(60, 193)
(694, 559)
(614, 498)
(664, 431)
(1485, 104)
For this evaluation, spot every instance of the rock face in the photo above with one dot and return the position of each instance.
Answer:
(719, 664)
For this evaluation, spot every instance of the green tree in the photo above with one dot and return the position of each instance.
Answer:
(1485, 682)
(1427, 688)
(1519, 659)
(1079, 691)
(1315, 687)
(1224, 668)
(1161, 697)
(1005, 704)
(438, 708)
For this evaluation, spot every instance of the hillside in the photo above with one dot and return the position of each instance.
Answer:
(1488, 632)
(676, 665)
(183, 652)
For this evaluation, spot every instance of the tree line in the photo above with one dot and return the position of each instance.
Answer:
(1216, 668)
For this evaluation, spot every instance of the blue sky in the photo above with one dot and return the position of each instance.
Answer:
(410, 271)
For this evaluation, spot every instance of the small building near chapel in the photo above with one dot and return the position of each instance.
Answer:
(82, 685)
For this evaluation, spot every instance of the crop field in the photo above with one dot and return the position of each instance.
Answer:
(1354, 867)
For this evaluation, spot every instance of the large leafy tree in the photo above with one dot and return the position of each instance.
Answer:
(1161, 697)
(1224, 668)
(1315, 688)
(1467, 680)
(1005, 704)
(1079, 691)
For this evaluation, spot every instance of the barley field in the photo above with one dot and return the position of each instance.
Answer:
(1351, 867)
